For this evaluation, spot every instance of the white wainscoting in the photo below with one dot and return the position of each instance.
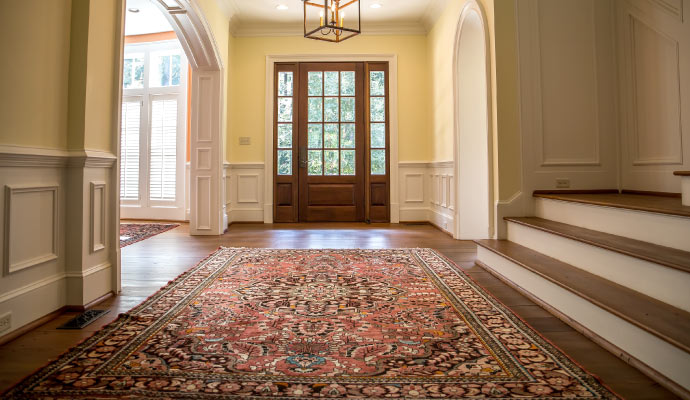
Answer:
(568, 94)
(427, 193)
(244, 192)
(56, 230)
(654, 70)
(420, 198)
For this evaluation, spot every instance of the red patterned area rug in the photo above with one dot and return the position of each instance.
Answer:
(132, 233)
(296, 324)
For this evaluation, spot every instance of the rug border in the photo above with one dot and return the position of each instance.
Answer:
(446, 259)
(119, 316)
(170, 227)
(555, 346)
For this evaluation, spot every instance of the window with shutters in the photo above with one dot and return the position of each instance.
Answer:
(153, 131)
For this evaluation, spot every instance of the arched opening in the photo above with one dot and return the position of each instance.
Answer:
(206, 214)
(473, 144)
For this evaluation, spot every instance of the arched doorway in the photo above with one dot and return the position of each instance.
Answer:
(206, 142)
(473, 144)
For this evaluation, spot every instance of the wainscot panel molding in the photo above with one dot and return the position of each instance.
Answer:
(97, 216)
(426, 193)
(572, 138)
(31, 226)
(56, 223)
(654, 72)
(244, 191)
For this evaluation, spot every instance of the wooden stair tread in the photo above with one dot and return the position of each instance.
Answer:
(665, 321)
(667, 256)
(638, 202)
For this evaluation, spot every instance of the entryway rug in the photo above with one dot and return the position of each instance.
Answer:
(132, 233)
(296, 324)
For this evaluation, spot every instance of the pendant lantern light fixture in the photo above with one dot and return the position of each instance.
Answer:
(332, 20)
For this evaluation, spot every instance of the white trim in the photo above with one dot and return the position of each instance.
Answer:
(392, 60)
(31, 287)
(88, 271)
(93, 245)
(252, 29)
(10, 190)
(25, 156)
(473, 6)
(244, 165)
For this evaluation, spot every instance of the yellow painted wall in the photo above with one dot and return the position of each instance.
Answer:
(34, 72)
(103, 75)
(220, 30)
(93, 75)
(500, 15)
(506, 107)
(246, 107)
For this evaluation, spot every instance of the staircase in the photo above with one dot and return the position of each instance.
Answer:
(616, 267)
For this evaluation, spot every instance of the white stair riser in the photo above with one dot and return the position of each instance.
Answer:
(665, 358)
(661, 229)
(663, 283)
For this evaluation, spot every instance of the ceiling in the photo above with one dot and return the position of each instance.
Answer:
(262, 18)
(149, 19)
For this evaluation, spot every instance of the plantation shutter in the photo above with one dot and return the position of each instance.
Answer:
(129, 144)
(163, 156)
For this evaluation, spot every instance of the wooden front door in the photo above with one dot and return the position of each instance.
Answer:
(322, 150)
(331, 142)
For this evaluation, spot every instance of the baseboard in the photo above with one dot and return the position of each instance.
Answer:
(31, 325)
(89, 305)
(513, 207)
(610, 347)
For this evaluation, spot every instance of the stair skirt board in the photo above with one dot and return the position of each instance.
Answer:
(655, 357)
(662, 229)
(663, 283)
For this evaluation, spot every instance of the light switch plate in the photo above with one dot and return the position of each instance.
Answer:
(562, 183)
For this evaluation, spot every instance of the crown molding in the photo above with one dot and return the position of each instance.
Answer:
(261, 29)
(25, 156)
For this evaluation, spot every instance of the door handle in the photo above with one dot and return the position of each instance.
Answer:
(302, 157)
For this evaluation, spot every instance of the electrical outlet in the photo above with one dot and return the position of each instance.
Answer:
(245, 140)
(562, 183)
(5, 322)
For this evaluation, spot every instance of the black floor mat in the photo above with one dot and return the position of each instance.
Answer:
(83, 319)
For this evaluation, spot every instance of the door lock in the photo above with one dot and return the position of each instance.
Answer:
(302, 157)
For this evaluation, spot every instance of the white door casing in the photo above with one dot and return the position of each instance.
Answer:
(201, 50)
(392, 60)
(206, 143)
(150, 99)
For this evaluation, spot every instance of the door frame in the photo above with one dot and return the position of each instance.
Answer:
(392, 60)
(144, 207)
(206, 164)
(463, 189)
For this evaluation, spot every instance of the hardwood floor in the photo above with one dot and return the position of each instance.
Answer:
(150, 264)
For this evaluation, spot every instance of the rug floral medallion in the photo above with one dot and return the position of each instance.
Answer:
(296, 324)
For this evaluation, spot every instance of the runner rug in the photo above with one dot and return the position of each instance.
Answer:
(132, 233)
(296, 324)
